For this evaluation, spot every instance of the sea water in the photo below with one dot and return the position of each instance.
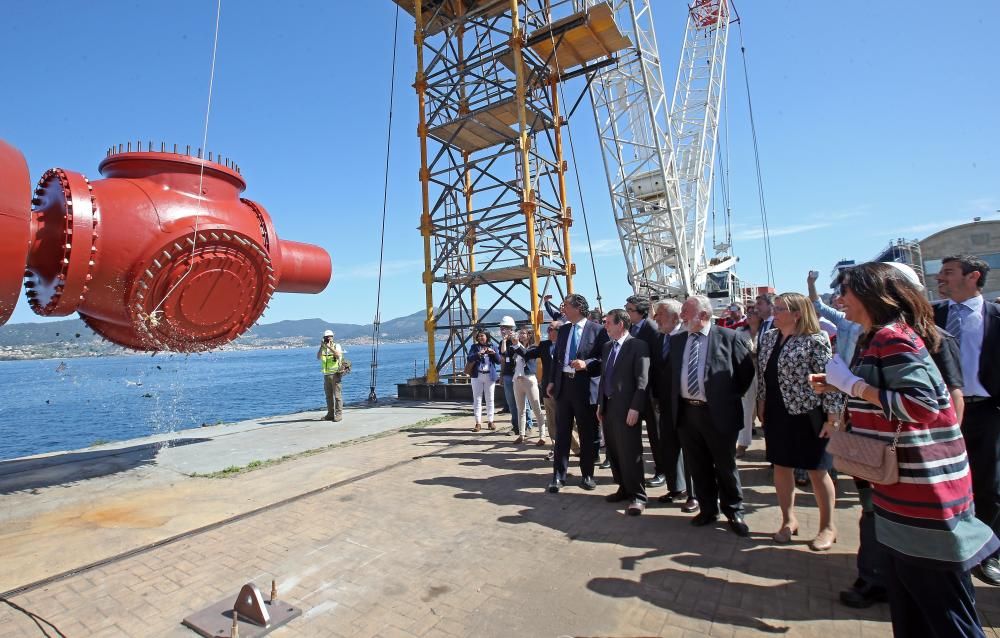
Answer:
(62, 404)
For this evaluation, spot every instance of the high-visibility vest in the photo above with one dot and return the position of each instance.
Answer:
(330, 362)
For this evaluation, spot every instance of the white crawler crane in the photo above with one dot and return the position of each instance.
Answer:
(660, 163)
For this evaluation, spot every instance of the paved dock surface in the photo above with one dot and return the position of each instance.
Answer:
(426, 531)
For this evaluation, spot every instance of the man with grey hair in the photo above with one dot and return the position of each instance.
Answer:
(711, 368)
(680, 487)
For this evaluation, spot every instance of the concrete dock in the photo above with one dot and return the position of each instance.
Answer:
(399, 521)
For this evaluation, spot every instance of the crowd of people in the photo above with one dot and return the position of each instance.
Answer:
(879, 361)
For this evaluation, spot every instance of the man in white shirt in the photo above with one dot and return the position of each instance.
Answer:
(975, 323)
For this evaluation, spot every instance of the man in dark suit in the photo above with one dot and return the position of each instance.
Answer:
(576, 360)
(680, 487)
(711, 370)
(765, 310)
(637, 307)
(621, 398)
(975, 324)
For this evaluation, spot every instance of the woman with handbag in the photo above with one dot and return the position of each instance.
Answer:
(922, 489)
(481, 366)
(793, 413)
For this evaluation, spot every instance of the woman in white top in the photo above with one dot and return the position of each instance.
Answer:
(526, 383)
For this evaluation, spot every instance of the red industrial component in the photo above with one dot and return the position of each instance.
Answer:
(148, 261)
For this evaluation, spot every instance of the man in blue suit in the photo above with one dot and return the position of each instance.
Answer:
(577, 358)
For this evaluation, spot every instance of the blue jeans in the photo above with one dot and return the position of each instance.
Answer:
(508, 394)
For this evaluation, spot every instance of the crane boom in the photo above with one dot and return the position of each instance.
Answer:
(659, 161)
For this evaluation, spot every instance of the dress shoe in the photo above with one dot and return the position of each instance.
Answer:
(635, 508)
(861, 595)
(824, 540)
(617, 497)
(519, 439)
(588, 483)
(784, 535)
(690, 506)
(541, 441)
(737, 524)
(988, 571)
(490, 426)
(555, 486)
(477, 428)
(704, 518)
(606, 464)
(741, 451)
(656, 481)
(671, 497)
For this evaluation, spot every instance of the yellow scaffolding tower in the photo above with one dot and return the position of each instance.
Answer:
(493, 189)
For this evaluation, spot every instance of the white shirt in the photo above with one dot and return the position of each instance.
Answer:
(702, 356)
(971, 345)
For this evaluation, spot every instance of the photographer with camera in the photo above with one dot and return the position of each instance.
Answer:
(508, 339)
(331, 357)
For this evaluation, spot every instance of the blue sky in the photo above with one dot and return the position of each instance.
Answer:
(876, 120)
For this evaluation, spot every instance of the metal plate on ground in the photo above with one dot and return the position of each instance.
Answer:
(217, 621)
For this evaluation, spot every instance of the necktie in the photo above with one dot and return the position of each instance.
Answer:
(692, 372)
(666, 346)
(634, 330)
(572, 342)
(609, 369)
(954, 326)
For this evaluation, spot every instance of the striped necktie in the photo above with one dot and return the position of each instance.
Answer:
(692, 372)
(956, 314)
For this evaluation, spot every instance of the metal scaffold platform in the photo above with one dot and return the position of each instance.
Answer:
(494, 219)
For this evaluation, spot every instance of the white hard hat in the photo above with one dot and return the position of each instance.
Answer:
(908, 272)
(507, 321)
(328, 333)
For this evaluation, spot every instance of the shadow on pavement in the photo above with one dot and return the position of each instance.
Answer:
(700, 587)
(70, 467)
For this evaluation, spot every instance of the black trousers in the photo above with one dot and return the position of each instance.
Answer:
(650, 417)
(712, 455)
(673, 464)
(871, 553)
(930, 603)
(572, 403)
(624, 449)
(981, 429)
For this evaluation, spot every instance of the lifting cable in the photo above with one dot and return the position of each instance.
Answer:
(576, 171)
(372, 396)
(769, 262)
(153, 317)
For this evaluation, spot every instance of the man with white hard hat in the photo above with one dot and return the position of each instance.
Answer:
(331, 357)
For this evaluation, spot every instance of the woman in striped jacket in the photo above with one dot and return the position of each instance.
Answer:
(926, 521)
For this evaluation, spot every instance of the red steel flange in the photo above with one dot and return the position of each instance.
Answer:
(15, 226)
(161, 254)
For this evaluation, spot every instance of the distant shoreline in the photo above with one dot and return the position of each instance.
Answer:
(42, 352)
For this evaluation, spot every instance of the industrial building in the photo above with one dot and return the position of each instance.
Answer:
(979, 238)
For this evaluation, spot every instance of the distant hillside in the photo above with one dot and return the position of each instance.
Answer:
(72, 338)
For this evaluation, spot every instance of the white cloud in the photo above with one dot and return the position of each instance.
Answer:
(598, 247)
(369, 270)
(779, 231)
(983, 206)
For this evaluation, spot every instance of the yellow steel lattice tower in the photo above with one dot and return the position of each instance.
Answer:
(495, 221)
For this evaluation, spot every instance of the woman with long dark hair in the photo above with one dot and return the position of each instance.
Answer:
(484, 377)
(925, 521)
